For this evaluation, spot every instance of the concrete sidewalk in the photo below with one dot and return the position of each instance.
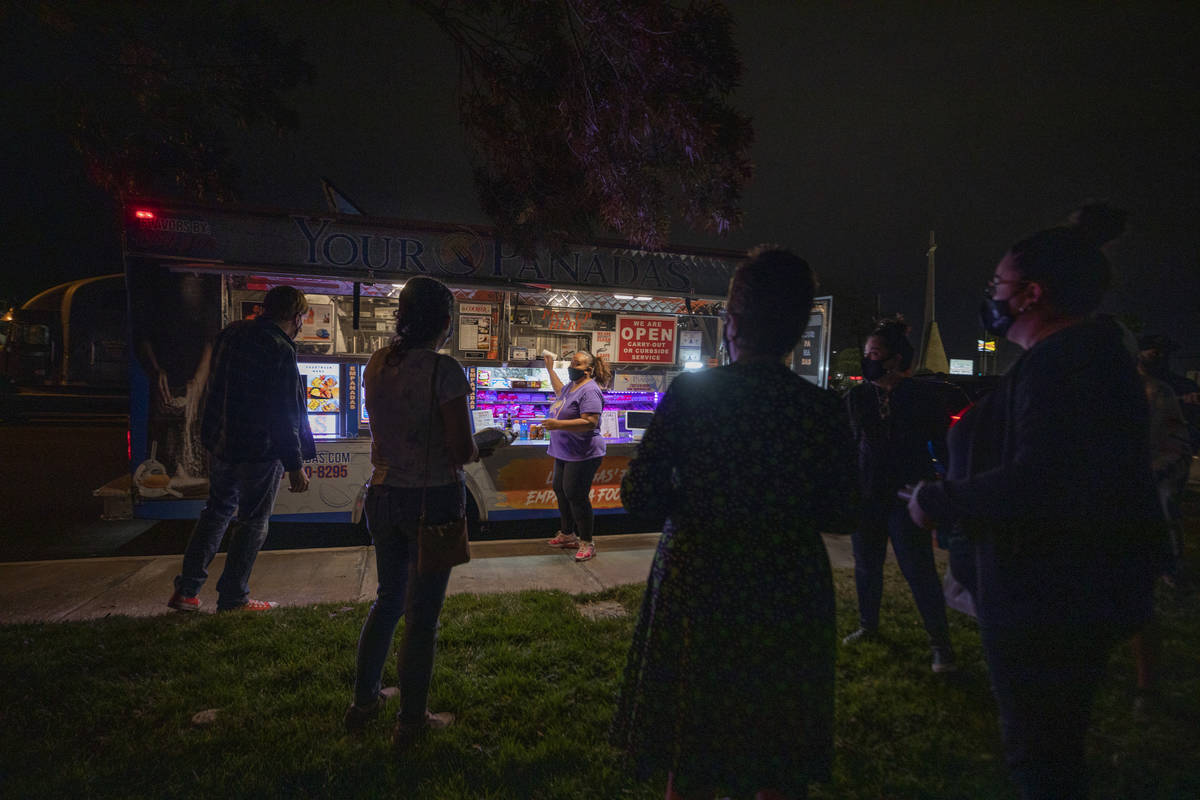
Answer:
(138, 586)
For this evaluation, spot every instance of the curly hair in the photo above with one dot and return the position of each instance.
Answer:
(425, 305)
(601, 371)
(771, 293)
(894, 333)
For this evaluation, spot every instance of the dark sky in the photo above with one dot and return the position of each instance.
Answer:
(874, 125)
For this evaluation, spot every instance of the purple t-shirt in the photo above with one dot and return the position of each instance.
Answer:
(569, 445)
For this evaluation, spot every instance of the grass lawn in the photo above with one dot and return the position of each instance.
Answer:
(104, 709)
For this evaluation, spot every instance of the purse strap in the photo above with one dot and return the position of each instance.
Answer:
(437, 362)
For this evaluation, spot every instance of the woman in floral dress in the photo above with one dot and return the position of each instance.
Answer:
(729, 683)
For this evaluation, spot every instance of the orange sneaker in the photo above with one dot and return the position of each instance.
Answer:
(181, 603)
(254, 605)
(564, 540)
(586, 551)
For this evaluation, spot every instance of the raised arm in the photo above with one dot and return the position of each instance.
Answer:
(555, 381)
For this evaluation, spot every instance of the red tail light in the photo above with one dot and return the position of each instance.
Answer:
(954, 418)
(128, 446)
(143, 214)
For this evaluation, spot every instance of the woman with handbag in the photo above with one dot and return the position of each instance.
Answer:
(420, 439)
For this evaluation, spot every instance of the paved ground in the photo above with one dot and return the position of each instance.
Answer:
(91, 588)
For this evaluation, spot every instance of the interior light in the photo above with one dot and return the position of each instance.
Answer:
(692, 365)
(143, 214)
(643, 297)
(623, 296)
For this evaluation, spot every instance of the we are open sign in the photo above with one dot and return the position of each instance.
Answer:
(645, 339)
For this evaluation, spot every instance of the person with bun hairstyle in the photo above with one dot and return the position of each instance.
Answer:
(420, 439)
(576, 447)
(729, 684)
(898, 424)
(1056, 494)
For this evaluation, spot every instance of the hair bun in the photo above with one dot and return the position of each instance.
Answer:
(1098, 223)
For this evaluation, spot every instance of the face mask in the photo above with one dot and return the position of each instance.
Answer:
(995, 316)
(576, 374)
(873, 370)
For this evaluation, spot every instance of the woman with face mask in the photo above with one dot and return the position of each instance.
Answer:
(1056, 494)
(576, 447)
(897, 423)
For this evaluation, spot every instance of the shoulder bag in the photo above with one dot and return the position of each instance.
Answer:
(443, 545)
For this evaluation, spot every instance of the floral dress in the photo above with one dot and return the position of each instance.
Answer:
(729, 681)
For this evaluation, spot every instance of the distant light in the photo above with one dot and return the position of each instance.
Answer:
(693, 365)
(143, 214)
(623, 296)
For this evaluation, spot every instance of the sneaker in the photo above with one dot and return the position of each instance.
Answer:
(253, 605)
(181, 603)
(564, 540)
(357, 717)
(943, 659)
(586, 551)
(861, 635)
(406, 733)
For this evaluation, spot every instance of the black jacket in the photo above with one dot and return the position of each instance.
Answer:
(896, 450)
(254, 404)
(1050, 477)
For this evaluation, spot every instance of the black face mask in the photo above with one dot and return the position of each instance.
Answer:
(576, 374)
(873, 370)
(996, 316)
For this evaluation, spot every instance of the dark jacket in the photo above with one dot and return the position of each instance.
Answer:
(1050, 478)
(254, 404)
(896, 450)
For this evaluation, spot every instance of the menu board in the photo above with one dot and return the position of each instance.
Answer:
(477, 330)
(810, 359)
(321, 387)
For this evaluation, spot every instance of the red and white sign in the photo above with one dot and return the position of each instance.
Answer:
(645, 340)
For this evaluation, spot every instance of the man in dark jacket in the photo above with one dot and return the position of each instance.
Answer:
(255, 427)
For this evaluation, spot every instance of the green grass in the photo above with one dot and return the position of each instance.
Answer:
(104, 709)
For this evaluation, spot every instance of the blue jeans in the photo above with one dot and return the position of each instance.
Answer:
(247, 491)
(914, 553)
(1044, 679)
(392, 514)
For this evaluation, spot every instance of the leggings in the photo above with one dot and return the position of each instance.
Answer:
(572, 486)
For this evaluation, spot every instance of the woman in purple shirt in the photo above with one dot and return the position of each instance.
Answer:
(577, 447)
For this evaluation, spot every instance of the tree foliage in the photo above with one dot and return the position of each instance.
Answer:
(600, 111)
(147, 92)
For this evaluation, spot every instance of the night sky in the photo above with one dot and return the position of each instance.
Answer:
(874, 125)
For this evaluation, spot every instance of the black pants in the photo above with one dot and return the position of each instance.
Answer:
(914, 552)
(572, 487)
(1044, 680)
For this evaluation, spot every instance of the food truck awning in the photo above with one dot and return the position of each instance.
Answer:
(359, 248)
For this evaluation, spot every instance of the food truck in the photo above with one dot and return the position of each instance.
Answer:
(192, 269)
